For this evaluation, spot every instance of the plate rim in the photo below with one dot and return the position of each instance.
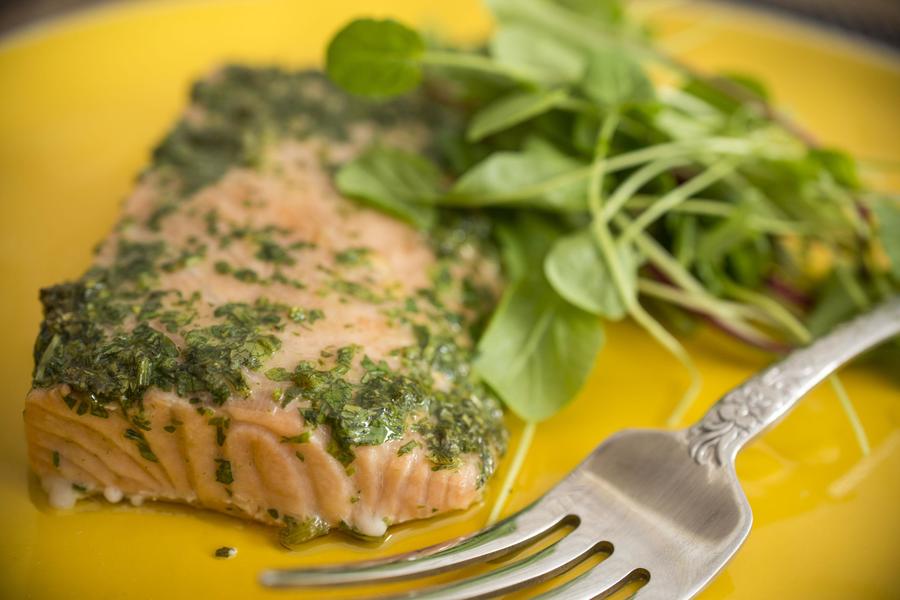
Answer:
(825, 33)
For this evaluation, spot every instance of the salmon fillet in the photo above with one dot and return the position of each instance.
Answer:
(251, 342)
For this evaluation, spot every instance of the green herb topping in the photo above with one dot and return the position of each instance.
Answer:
(225, 552)
(223, 471)
(296, 532)
(118, 332)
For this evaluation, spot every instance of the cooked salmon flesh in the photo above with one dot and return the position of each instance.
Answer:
(249, 341)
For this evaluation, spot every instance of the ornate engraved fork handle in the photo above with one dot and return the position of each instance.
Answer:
(761, 401)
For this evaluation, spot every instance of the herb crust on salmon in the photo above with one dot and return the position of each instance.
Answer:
(250, 341)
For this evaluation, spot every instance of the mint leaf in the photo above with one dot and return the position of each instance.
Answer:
(615, 79)
(511, 109)
(397, 182)
(532, 51)
(539, 176)
(578, 273)
(538, 349)
(375, 58)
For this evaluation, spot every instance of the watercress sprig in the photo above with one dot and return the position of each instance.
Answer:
(616, 197)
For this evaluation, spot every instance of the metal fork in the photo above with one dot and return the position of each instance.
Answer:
(665, 505)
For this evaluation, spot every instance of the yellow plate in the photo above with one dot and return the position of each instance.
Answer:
(84, 99)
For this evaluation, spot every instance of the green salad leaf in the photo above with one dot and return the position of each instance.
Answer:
(576, 23)
(603, 11)
(511, 109)
(376, 58)
(538, 349)
(611, 196)
(615, 78)
(398, 182)
(538, 176)
(543, 57)
(578, 273)
(888, 215)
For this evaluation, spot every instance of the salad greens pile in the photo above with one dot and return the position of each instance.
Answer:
(615, 197)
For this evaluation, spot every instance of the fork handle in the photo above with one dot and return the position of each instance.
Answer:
(762, 400)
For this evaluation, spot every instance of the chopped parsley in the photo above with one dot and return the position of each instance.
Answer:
(353, 256)
(357, 290)
(245, 106)
(270, 251)
(302, 315)
(223, 471)
(297, 531)
(225, 552)
(142, 445)
(407, 447)
(296, 439)
(221, 424)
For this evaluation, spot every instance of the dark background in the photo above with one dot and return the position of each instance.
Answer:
(875, 19)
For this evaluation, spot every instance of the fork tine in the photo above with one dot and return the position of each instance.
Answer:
(540, 566)
(599, 582)
(496, 541)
